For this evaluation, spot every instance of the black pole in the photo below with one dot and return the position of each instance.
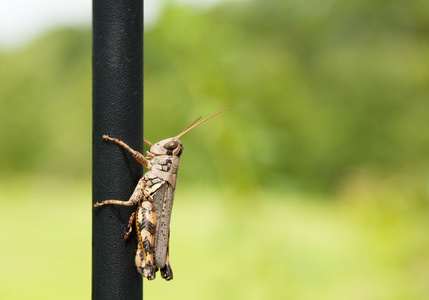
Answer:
(117, 64)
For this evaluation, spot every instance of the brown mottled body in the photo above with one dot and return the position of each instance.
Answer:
(154, 195)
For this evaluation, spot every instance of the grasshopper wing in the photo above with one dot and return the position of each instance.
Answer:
(163, 204)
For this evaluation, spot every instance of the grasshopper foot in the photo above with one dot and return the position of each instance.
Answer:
(167, 272)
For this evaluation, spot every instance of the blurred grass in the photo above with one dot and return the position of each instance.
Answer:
(46, 223)
(372, 245)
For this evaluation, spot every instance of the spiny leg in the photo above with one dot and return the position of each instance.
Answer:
(145, 223)
(134, 199)
(130, 225)
(139, 258)
(137, 155)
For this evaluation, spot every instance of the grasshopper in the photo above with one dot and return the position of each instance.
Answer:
(154, 195)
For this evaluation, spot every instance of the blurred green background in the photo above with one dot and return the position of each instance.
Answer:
(313, 185)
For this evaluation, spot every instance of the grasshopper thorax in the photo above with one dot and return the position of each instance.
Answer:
(170, 146)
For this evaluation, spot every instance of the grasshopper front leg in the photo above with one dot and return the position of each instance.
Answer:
(137, 155)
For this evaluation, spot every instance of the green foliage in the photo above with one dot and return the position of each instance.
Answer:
(46, 106)
(316, 91)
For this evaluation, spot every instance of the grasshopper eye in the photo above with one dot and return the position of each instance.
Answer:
(171, 145)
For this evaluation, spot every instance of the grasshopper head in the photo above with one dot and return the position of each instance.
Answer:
(170, 146)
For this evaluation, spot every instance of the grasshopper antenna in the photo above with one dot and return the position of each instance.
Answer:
(191, 126)
(150, 144)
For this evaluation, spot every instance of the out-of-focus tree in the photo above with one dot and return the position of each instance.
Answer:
(315, 90)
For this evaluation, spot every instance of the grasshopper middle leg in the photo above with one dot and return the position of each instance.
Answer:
(135, 198)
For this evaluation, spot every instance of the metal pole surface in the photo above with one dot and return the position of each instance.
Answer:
(117, 63)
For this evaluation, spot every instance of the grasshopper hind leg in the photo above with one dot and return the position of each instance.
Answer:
(143, 266)
(145, 223)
